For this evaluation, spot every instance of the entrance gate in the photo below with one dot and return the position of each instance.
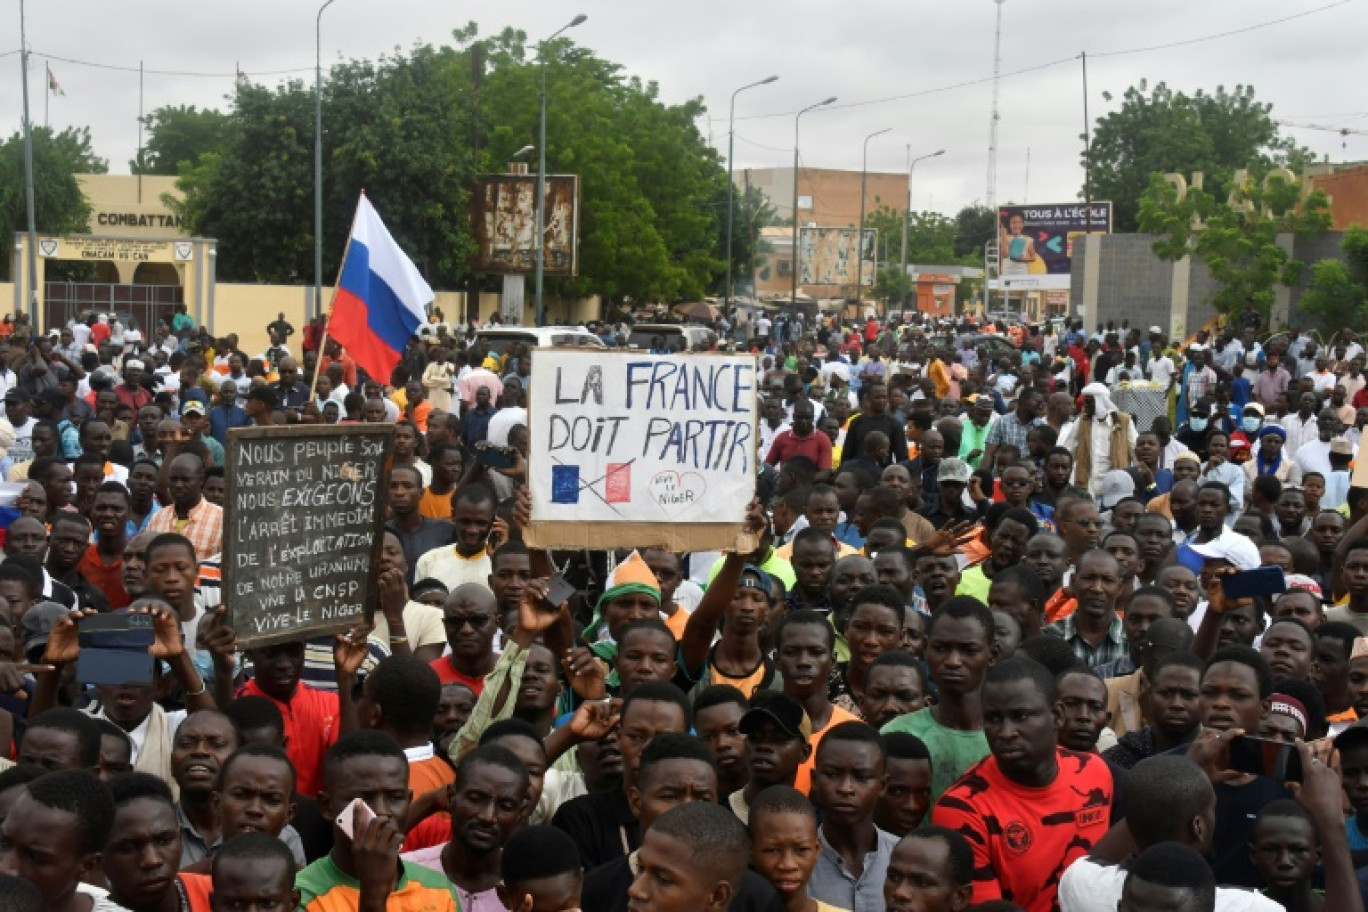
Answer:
(133, 305)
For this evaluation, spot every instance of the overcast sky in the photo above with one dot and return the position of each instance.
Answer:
(863, 51)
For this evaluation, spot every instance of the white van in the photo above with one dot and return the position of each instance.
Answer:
(497, 339)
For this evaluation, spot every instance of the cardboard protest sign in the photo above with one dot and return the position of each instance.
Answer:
(630, 450)
(303, 526)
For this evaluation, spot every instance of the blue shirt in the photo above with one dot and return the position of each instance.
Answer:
(222, 419)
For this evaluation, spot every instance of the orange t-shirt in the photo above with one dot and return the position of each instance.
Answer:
(677, 622)
(435, 506)
(803, 781)
(310, 729)
(198, 889)
(108, 578)
(1023, 838)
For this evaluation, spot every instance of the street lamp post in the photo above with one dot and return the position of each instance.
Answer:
(859, 239)
(731, 145)
(318, 159)
(797, 257)
(907, 218)
(539, 235)
(31, 291)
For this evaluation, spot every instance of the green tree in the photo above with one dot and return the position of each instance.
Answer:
(414, 129)
(177, 137)
(1236, 237)
(1158, 130)
(388, 129)
(59, 206)
(1337, 295)
(653, 193)
(975, 226)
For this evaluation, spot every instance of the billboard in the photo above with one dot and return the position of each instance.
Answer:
(505, 220)
(1035, 243)
(828, 256)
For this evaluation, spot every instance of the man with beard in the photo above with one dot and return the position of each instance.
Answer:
(1170, 701)
(470, 619)
(1009, 529)
(1291, 511)
(486, 804)
(1080, 525)
(1082, 702)
(1069, 794)
(1094, 632)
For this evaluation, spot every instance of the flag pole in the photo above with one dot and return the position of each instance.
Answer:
(323, 340)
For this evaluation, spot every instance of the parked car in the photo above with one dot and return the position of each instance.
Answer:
(686, 336)
(498, 339)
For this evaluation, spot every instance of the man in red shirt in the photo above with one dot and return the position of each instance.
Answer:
(801, 440)
(131, 392)
(313, 719)
(1031, 808)
(470, 616)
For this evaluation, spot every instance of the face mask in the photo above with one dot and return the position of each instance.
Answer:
(1250, 424)
(1198, 424)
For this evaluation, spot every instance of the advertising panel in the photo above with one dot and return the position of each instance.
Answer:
(1036, 242)
(505, 221)
(828, 256)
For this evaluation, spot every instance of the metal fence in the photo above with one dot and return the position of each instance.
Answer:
(140, 305)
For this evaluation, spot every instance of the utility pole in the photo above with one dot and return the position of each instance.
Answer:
(993, 145)
(28, 174)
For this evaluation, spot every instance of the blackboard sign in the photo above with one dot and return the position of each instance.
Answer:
(303, 526)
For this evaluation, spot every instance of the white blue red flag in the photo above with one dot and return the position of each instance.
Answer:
(381, 299)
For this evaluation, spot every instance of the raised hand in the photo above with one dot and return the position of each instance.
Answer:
(586, 674)
(595, 720)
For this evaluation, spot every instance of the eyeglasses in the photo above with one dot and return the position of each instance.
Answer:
(476, 621)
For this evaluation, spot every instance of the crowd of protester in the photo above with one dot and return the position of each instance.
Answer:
(977, 650)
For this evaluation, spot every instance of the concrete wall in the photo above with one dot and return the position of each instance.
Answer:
(246, 309)
(1133, 284)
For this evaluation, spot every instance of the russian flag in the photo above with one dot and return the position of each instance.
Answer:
(381, 299)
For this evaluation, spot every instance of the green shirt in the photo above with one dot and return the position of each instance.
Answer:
(952, 751)
(324, 887)
(974, 582)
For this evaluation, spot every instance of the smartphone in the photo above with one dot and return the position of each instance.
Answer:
(558, 591)
(495, 457)
(1251, 583)
(1275, 759)
(344, 819)
(115, 667)
(116, 631)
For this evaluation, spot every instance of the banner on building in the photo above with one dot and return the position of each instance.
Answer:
(829, 258)
(505, 220)
(1035, 243)
(632, 450)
